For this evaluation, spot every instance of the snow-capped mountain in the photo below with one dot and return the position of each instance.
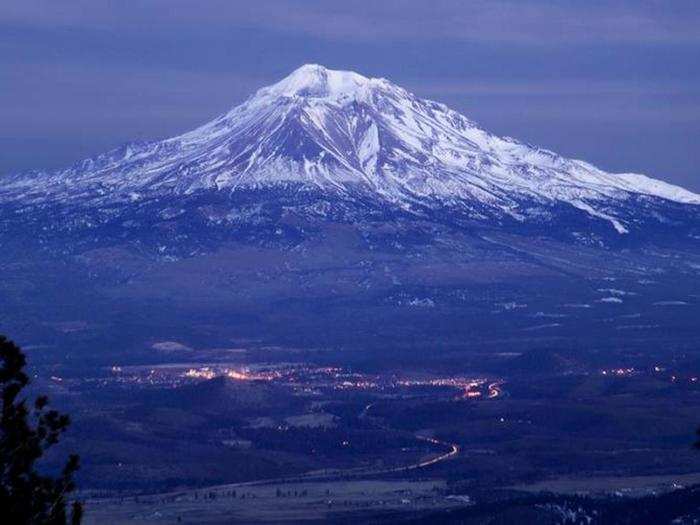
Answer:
(340, 134)
(334, 209)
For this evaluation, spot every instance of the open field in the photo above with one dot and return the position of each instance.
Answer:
(294, 503)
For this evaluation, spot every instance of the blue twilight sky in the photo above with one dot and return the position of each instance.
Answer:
(616, 83)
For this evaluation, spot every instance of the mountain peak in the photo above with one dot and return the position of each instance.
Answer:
(316, 81)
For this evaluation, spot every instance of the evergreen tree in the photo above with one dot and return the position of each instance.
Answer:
(27, 431)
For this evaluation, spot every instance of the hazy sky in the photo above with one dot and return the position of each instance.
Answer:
(614, 83)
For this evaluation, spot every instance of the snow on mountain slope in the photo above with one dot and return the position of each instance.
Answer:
(346, 134)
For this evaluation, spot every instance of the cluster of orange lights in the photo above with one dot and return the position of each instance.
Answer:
(200, 373)
(362, 385)
(626, 372)
(207, 372)
(470, 388)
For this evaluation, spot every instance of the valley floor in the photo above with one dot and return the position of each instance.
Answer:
(344, 500)
(270, 503)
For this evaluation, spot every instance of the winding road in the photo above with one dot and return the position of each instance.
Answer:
(361, 472)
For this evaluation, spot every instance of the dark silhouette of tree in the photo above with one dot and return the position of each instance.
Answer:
(27, 431)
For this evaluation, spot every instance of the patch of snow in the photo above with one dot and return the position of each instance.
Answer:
(541, 327)
(423, 303)
(616, 292)
(658, 188)
(170, 347)
(512, 305)
(613, 300)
